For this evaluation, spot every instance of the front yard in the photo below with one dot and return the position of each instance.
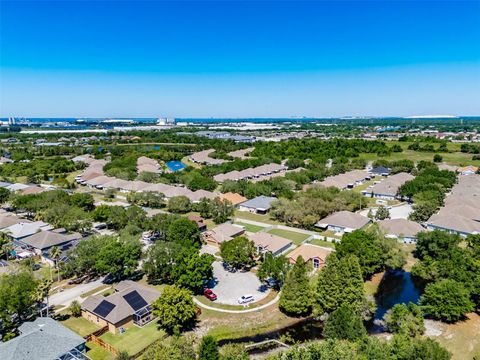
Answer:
(135, 338)
(296, 237)
(249, 227)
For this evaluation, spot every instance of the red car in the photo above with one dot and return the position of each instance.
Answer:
(209, 294)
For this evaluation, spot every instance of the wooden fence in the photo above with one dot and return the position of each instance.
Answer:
(95, 338)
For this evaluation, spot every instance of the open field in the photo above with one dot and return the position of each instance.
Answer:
(80, 325)
(249, 227)
(454, 158)
(135, 338)
(296, 237)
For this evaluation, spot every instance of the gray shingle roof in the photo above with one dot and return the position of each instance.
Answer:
(260, 202)
(42, 339)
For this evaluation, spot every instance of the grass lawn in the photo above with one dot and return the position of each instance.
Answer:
(295, 237)
(230, 326)
(454, 158)
(250, 227)
(80, 325)
(97, 289)
(322, 243)
(95, 352)
(255, 217)
(135, 338)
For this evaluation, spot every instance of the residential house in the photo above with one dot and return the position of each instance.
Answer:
(260, 204)
(454, 224)
(199, 221)
(401, 229)
(234, 198)
(265, 242)
(343, 221)
(223, 232)
(130, 304)
(24, 229)
(42, 242)
(388, 188)
(44, 339)
(313, 254)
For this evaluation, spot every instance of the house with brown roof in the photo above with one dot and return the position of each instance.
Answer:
(265, 242)
(343, 221)
(130, 304)
(223, 232)
(313, 254)
(401, 229)
(234, 198)
(199, 221)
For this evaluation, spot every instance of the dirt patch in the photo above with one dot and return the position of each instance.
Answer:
(462, 339)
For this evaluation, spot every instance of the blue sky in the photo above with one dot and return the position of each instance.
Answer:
(239, 59)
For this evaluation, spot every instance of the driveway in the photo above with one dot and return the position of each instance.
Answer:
(230, 286)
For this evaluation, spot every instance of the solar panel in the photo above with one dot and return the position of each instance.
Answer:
(135, 300)
(104, 308)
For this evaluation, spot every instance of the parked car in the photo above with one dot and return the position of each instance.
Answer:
(210, 295)
(245, 299)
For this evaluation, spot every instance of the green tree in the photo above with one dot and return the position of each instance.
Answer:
(344, 323)
(55, 253)
(184, 232)
(119, 257)
(374, 252)
(273, 267)
(4, 195)
(446, 300)
(208, 349)
(382, 213)
(437, 158)
(17, 297)
(339, 282)
(75, 309)
(179, 204)
(83, 201)
(123, 355)
(238, 252)
(175, 309)
(296, 298)
(221, 210)
(406, 319)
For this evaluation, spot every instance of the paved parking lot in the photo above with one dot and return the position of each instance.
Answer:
(230, 286)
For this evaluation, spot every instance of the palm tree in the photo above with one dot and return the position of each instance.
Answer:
(42, 292)
(55, 253)
(5, 244)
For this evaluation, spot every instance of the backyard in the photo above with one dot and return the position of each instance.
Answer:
(80, 325)
(135, 338)
(255, 217)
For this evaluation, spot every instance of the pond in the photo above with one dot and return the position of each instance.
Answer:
(396, 287)
(175, 165)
